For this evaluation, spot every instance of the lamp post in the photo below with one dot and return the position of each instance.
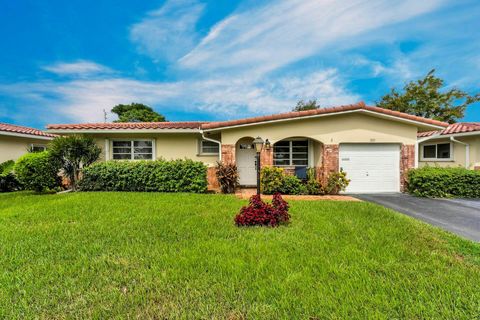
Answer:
(258, 143)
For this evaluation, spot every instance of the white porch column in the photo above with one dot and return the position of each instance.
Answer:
(107, 149)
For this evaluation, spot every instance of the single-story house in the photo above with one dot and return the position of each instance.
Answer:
(375, 146)
(16, 141)
(458, 145)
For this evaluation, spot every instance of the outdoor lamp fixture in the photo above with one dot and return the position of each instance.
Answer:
(258, 143)
(267, 145)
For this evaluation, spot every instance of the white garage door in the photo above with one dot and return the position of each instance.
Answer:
(371, 167)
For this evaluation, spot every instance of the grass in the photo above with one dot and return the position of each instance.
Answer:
(147, 255)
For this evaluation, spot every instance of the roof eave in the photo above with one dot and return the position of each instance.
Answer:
(100, 131)
(386, 116)
(420, 124)
(460, 134)
(25, 135)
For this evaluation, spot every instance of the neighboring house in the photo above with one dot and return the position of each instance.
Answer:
(16, 141)
(458, 145)
(375, 146)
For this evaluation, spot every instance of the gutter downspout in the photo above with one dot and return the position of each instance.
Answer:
(215, 141)
(467, 151)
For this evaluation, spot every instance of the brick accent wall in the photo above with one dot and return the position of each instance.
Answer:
(212, 181)
(407, 162)
(266, 157)
(228, 153)
(330, 162)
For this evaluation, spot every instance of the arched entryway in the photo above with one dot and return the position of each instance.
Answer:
(245, 160)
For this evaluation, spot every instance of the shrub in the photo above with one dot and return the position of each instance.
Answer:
(8, 180)
(159, 175)
(7, 166)
(313, 186)
(227, 176)
(271, 179)
(337, 181)
(274, 179)
(74, 153)
(438, 182)
(260, 213)
(292, 185)
(38, 172)
(282, 208)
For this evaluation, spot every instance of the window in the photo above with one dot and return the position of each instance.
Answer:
(290, 153)
(38, 148)
(440, 151)
(208, 147)
(132, 149)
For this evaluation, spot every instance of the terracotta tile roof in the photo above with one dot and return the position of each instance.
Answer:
(461, 127)
(321, 111)
(426, 134)
(5, 127)
(222, 124)
(127, 125)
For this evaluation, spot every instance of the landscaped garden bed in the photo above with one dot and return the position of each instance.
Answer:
(152, 255)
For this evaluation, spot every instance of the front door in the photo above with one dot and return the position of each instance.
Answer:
(245, 155)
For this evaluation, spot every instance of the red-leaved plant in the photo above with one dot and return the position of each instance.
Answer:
(259, 213)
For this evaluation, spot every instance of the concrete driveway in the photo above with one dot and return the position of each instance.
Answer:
(460, 216)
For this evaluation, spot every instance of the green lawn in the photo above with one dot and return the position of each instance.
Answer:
(147, 255)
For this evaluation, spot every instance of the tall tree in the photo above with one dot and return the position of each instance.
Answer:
(309, 105)
(424, 98)
(136, 112)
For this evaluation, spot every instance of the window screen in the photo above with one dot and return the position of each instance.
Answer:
(290, 153)
(132, 150)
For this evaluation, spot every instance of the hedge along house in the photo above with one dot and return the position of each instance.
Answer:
(374, 146)
(15, 141)
(458, 145)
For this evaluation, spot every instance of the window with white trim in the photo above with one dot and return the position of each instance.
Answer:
(439, 151)
(38, 148)
(132, 149)
(209, 147)
(290, 153)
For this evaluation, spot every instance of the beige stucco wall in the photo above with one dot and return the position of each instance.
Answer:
(459, 152)
(347, 128)
(168, 146)
(317, 153)
(11, 148)
(351, 128)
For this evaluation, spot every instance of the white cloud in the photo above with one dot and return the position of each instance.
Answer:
(83, 100)
(169, 32)
(400, 70)
(275, 35)
(77, 68)
(243, 97)
(241, 67)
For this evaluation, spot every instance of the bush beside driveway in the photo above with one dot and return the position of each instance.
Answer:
(436, 182)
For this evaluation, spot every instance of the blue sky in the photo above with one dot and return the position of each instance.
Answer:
(66, 61)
